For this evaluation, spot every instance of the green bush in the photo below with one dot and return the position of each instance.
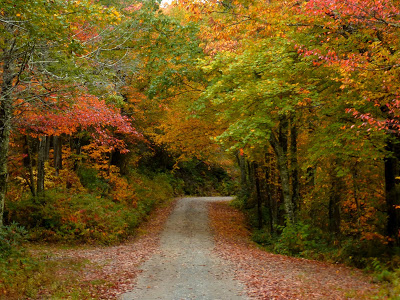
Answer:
(152, 189)
(91, 180)
(18, 271)
(11, 238)
(90, 217)
(76, 218)
(301, 239)
(202, 179)
(263, 237)
(361, 253)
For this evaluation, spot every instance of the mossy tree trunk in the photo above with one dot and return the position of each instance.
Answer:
(6, 113)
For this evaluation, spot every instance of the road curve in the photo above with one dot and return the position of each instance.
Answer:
(186, 267)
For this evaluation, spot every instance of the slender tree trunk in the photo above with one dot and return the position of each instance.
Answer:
(47, 148)
(40, 165)
(249, 173)
(6, 112)
(284, 173)
(258, 195)
(335, 196)
(392, 196)
(5, 129)
(30, 166)
(310, 179)
(268, 185)
(76, 144)
(354, 174)
(57, 148)
(294, 167)
(242, 166)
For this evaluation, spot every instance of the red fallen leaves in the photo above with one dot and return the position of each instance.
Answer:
(115, 269)
(271, 276)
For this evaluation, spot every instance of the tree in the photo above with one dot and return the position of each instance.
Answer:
(39, 44)
(360, 40)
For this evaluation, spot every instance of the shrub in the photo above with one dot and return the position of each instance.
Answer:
(91, 180)
(11, 238)
(18, 271)
(300, 239)
(263, 237)
(91, 217)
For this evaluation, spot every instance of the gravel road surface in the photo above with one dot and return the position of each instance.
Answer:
(186, 267)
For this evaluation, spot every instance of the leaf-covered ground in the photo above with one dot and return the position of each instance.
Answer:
(111, 271)
(271, 276)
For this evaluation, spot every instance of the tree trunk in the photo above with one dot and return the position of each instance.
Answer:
(40, 165)
(242, 166)
(57, 148)
(47, 148)
(354, 175)
(294, 167)
(30, 166)
(392, 196)
(268, 184)
(284, 173)
(334, 202)
(5, 129)
(258, 195)
(6, 112)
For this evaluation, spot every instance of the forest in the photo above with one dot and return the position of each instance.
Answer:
(111, 108)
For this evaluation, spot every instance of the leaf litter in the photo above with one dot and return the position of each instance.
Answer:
(113, 270)
(273, 276)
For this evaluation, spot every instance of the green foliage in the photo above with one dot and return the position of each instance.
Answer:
(91, 180)
(297, 239)
(263, 237)
(23, 276)
(300, 239)
(362, 253)
(151, 190)
(11, 238)
(20, 275)
(192, 177)
(90, 218)
(202, 179)
(388, 277)
(75, 218)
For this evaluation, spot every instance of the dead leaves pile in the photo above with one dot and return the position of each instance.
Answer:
(271, 276)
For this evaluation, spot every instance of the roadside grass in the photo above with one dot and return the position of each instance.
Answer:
(38, 270)
(43, 277)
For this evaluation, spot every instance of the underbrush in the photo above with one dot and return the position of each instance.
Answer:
(302, 239)
(82, 218)
(23, 276)
(90, 215)
(97, 209)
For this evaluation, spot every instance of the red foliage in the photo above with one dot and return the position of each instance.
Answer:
(356, 11)
(62, 116)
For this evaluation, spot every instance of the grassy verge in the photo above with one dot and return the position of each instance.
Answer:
(30, 267)
(27, 276)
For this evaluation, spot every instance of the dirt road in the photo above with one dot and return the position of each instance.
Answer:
(186, 267)
(175, 256)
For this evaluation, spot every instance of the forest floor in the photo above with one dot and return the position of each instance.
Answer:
(106, 271)
(199, 248)
(272, 276)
